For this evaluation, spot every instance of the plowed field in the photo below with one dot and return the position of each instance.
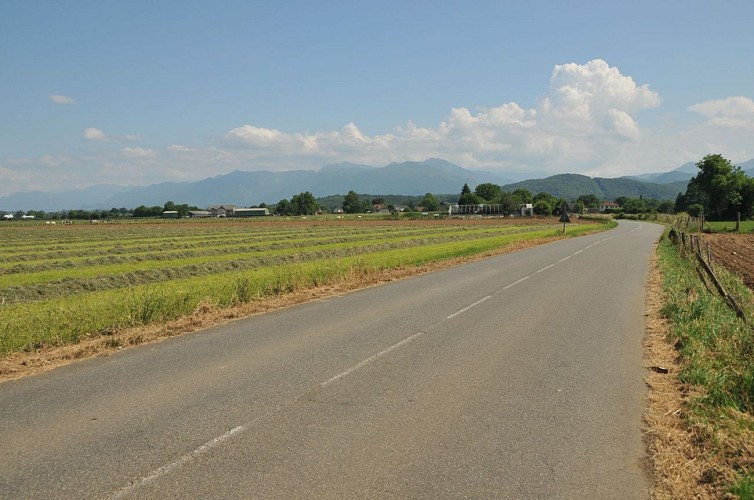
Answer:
(735, 252)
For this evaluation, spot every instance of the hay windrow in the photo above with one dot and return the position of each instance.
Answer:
(411, 248)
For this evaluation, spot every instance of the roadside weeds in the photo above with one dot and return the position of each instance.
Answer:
(674, 462)
(696, 448)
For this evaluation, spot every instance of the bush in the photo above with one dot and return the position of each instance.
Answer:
(542, 208)
(695, 210)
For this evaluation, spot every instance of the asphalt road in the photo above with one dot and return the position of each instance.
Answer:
(519, 376)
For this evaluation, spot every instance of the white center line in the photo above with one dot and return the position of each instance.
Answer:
(545, 269)
(516, 282)
(468, 307)
(164, 470)
(371, 359)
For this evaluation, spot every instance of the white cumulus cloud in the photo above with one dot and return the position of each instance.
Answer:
(257, 136)
(588, 111)
(587, 119)
(62, 99)
(622, 123)
(138, 153)
(54, 160)
(323, 144)
(94, 134)
(179, 148)
(731, 112)
(594, 98)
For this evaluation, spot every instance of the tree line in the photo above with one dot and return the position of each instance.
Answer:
(353, 203)
(102, 214)
(719, 190)
(510, 202)
(544, 203)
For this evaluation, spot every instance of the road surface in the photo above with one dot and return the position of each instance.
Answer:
(519, 376)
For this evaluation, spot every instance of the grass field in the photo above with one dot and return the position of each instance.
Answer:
(63, 284)
(746, 226)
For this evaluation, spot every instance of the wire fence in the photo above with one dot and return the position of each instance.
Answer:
(693, 244)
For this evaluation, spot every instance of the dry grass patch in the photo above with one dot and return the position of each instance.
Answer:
(674, 457)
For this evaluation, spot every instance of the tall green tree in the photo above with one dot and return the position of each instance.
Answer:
(523, 195)
(666, 207)
(469, 198)
(590, 200)
(508, 203)
(352, 204)
(429, 202)
(488, 191)
(542, 207)
(284, 207)
(183, 209)
(304, 204)
(721, 188)
(546, 197)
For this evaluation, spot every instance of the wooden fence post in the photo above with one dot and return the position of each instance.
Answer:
(709, 257)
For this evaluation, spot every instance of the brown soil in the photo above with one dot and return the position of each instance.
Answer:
(735, 252)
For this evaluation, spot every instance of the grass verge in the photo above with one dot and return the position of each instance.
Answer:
(701, 415)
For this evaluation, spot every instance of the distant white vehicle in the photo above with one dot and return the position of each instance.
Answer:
(8, 216)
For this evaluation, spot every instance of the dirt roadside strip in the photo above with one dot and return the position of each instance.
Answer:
(674, 466)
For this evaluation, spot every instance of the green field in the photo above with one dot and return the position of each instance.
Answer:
(746, 227)
(63, 283)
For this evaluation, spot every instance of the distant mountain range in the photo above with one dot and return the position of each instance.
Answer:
(571, 186)
(243, 188)
(684, 173)
(435, 176)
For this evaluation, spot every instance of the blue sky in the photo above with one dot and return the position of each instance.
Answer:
(140, 92)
